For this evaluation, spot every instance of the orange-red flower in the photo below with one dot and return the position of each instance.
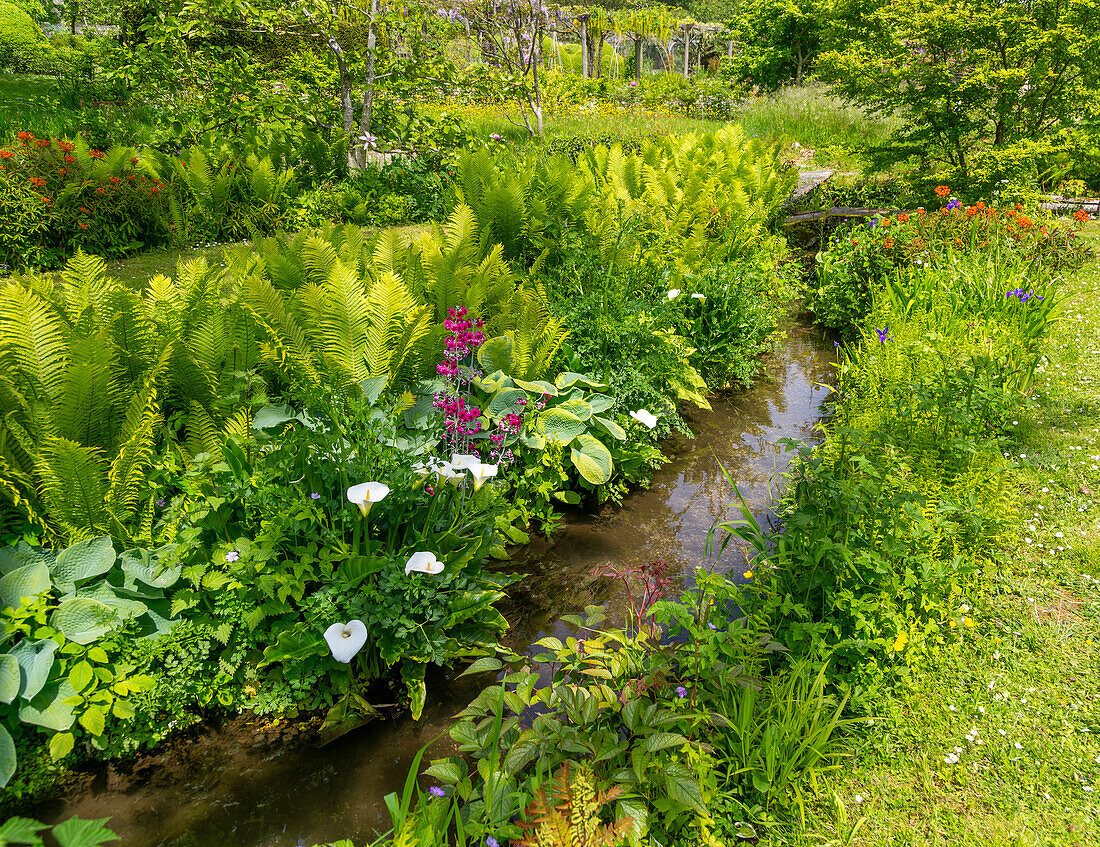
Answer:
(885, 222)
(6, 154)
(942, 190)
(82, 225)
(903, 217)
(25, 136)
(95, 154)
(1080, 215)
(70, 159)
(66, 146)
(37, 181)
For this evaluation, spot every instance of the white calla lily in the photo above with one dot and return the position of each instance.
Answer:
(698, 296)
(674, 293)
(645, 417)
(346, 639)
(423, 562)
(461, 461)
(481, 472)
(366, 494)
(429, 466)
(449, 473)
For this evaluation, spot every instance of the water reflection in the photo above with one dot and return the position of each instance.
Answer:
(277, 793)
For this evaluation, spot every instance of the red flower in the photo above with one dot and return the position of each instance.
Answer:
(903, 217)
(70, 159)
(82, 225)
(154, 190)
(95, 154)
(6, 154)
(37, 181)
(85, 211)
(1080, 215)
(133, 160)
(46, 200)
(115, 180)
(942, 190)
(100, 190)
(66, 146)
(43, 142)
(25, 136)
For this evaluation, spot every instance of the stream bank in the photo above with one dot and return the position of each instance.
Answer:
(247, 785)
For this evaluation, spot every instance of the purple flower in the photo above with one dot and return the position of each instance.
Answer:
(160, 502)
(883, 334)
(954, 204)
(491, 842)
(232, 556)
(712, 626)
(496, 137)
(436, 791)
(314, 496)
(681, 692)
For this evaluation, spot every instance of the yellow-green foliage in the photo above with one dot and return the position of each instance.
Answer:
(570, 815)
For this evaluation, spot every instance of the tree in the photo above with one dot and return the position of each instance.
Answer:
(964, 74)
(778, 39)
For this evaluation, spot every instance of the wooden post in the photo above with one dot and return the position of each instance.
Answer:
(687, 50)
(638, 58)
(729, 50)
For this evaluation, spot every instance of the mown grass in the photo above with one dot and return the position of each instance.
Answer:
(1017, 699)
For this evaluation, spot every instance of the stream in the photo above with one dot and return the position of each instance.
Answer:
(248, 784)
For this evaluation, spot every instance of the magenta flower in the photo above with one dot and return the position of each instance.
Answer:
(436, 791)
(681, 692)
(232, 556)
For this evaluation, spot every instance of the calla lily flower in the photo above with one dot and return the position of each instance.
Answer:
(643, 416)
(481, 472)
(449, 473)
(462, 461)
(346, 639)
(366, 494)
(698, 296)
(428, 467)
(674, 293)
(423, 562)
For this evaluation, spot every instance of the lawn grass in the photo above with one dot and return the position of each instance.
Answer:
(1016, 699)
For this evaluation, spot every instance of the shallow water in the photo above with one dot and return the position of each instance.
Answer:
(249, 786)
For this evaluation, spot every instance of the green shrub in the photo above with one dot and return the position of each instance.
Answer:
(23, 46)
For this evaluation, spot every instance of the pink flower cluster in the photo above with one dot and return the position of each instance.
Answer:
(461, 418)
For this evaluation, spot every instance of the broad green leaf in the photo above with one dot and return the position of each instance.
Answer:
(352, 572)
(660, 740)
(577, 407)
(24, 554)
(35, 661)
(81, 676)
(482, 665)
(124, 607)
(151, 566)
(600, 402)
(83, 620)
(568, 379)
(683, 787)
(9, 677)
(80, 833)
(272, 416)
(560, 425)
(25, 582)
(8, 761)
(612, 428)
(446, 772)
(61, 745)
(504, 402)
(292, 646)
(533, 440)
(634, 809)
(496, 354)
(417, 688)
(83, 560)
(94, 719)
(373, 387)
(49, 709)
(537, 387)
(591, 459)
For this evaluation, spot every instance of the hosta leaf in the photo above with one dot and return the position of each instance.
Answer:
(124, 607)
(49, 709)
(35, 661)
(612, 428)
(92, 557)
(537, 387)
(504, 402)
(25, 582)
(151, 567)
(83, 619)
(9, 677)
(577, 407)
(7, 768)
(591, 459)
(272, 416)
(600, 402)
(24, 554)
(560, 425)
(568, 379)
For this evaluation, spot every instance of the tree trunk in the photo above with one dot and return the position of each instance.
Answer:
(638, 59)
(584, 50)
(687, 51)
(729, 49)
(599, 56)
(357, 153)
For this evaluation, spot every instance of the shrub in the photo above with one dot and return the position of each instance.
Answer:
(62, 196)
(23, 47)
